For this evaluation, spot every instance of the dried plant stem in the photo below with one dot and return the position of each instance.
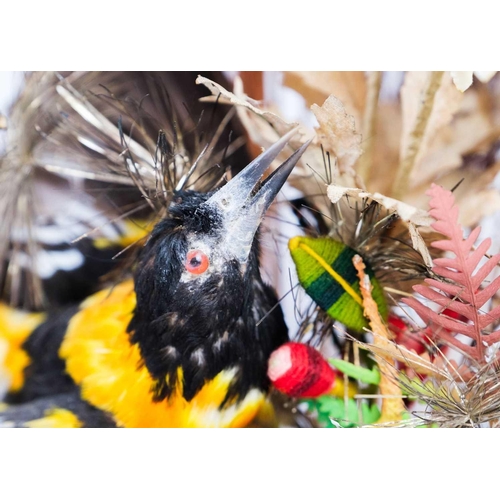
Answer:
(407, 164)
(369, 125)
(421, 364)
(392, 404)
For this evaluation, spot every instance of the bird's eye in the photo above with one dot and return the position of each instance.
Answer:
(196, 262)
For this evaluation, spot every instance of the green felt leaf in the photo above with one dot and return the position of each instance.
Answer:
(364, 375)
(326, 272)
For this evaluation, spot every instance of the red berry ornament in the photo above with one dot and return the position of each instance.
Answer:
(299, 370)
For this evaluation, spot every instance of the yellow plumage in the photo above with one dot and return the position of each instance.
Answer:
(112, 376)
(15, 328)
(56, 418)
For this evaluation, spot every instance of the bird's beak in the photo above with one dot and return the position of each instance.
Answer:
(244, 200)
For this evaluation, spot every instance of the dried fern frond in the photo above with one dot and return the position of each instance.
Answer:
(463, 288)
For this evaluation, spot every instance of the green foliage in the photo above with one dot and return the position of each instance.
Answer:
(365, 375)
(332, 412)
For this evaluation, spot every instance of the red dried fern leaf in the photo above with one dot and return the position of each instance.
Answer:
(463, 292)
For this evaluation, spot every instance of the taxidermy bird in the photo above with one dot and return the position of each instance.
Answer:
(182, 339)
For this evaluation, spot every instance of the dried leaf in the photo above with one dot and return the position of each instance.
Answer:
(419, 244)
(406, 212)
(484, 76)
(347, 86)
(412, 216)
(337, 132)
(336, 193)
(462, 79)
(476, 196)
(464, 125)
(386, 147)
(430, 101)
(446, 103)
(262, 126)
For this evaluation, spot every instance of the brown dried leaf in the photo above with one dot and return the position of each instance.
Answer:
(405, 211)
(263, 126)
(445, 105)
(347, 86)
(386, 148)
(470, 128)
(335, 193)
(337, 133)
(419, 244)
(478, 205)
(461, 79)
(411, 215)
(484, 76)
(474, 196)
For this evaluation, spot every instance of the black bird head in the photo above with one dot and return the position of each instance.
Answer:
(200, 295)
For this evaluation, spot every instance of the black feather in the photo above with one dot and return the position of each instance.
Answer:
(177, 324)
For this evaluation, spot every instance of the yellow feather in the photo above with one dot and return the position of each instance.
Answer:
(134, 231)
(58, 417)
(15, 327)
(100, 358)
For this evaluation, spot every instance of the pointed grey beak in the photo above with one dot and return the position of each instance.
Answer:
(243, 203)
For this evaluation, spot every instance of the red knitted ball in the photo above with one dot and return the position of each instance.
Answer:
(299, 370)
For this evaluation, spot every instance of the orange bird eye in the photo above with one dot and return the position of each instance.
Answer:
(196, 262)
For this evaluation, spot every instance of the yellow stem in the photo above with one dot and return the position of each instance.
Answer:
(392, 404)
